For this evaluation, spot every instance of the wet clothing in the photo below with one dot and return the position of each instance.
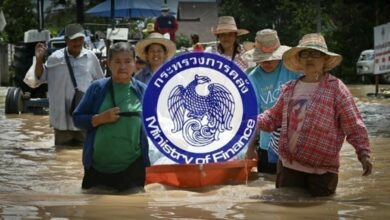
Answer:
(86, 68)
(117, 144)
(331, 116)
(133, 176)
(69, 138)
(317, 184)
(91, 104)
(267, 88)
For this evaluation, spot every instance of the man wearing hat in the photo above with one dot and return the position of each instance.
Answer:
(267, 78)
(166, 23)
(56, 73)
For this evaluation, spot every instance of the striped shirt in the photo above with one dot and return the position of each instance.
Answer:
(331, 116)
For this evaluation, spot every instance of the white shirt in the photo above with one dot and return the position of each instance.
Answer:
(86, 68)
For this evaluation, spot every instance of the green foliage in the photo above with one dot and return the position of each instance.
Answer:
(4, 38)
(20, 18)
(182, 41)
(347, 25)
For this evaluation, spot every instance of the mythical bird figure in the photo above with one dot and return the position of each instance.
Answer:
(217, 105)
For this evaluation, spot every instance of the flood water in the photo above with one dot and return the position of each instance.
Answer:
(39, 181)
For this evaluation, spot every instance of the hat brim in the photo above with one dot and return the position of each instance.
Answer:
(258, 57)
(77, 35)
(292, 61)
(239, 32)
(168, 44)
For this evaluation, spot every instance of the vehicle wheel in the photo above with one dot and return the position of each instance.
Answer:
(13, 101)
(385, 78)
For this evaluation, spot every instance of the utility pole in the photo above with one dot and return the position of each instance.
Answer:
(112, 15)
(318, 6)
(80, 11)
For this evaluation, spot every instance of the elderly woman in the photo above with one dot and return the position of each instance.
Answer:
(316, 113)
(155, 50)
(115, 149)
(267, 78)
(228, 46)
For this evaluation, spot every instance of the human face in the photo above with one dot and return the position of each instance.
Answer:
(75, 46)
(269, 66)
(155, 55)
(312, 61)
(227, 40)
(122, 66)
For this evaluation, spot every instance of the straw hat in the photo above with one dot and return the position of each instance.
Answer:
(310, 41)
(149, 28)
(227, 24)
(155, 38)
(267, 47)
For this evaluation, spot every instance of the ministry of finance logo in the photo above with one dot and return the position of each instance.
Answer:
(199, 108)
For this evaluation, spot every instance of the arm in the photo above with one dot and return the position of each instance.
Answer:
(86, 115)
(40, 52)
(251, 152)
(109, 116)
(353, 127)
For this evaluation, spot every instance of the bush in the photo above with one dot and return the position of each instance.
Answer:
(182, 41)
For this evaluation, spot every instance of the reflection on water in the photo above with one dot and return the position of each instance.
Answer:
(40, 181)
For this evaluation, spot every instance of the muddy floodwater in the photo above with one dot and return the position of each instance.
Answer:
(39, 181)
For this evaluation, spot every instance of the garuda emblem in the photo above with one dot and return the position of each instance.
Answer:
(201, 117)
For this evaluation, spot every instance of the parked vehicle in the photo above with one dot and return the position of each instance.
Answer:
(365, 67)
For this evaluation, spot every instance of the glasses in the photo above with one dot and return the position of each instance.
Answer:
(310, 53)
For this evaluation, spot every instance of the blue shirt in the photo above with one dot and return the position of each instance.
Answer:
(267, 88)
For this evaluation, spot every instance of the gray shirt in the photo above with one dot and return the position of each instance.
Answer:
(86, 68)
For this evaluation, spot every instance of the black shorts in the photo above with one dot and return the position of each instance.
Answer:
(133, 176)
(263, 166)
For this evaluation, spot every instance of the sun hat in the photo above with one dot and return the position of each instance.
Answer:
(227, 24)
(155, 38)
(149, 28)
(313, 41)
(267, 47)
(73, 31)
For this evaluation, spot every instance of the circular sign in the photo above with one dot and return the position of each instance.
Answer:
(199, 108)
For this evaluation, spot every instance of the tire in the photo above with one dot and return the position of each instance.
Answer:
(13, 101)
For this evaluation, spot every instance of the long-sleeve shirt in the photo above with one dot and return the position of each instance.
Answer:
(331, 116)
(90, 105)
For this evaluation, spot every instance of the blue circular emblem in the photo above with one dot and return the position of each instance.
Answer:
(199, 108)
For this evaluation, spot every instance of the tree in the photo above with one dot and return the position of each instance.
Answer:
(18, 14)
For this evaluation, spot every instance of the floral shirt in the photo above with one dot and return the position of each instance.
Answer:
(331, 116)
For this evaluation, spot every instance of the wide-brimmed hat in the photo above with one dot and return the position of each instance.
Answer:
(227, 24)
(313, 41)
(149, 28)
(155, 38)
(267, 47)
(73, 31)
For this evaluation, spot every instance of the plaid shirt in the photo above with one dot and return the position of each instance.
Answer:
(331, 116)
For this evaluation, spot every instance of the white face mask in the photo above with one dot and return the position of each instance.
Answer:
(165, 13)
